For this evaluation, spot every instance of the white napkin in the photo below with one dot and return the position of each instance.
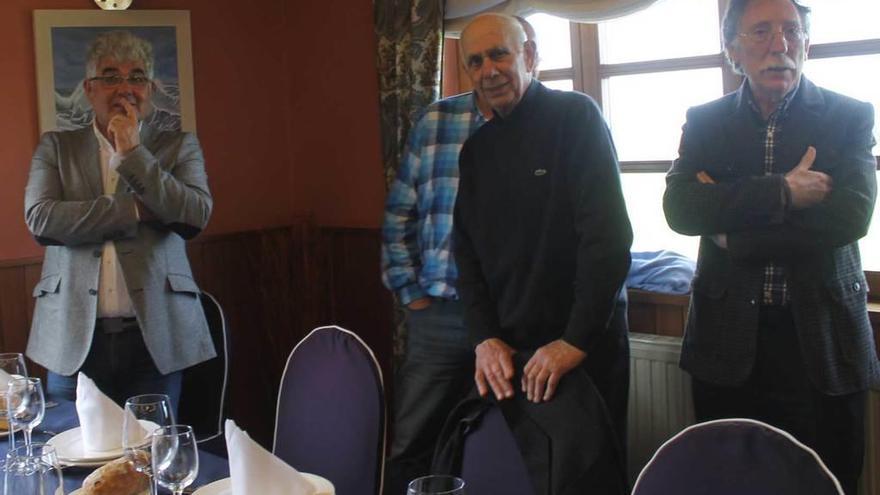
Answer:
(100, 419)
(255, 470)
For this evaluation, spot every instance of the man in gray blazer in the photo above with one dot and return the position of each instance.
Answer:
(779, 180)
(113, 202)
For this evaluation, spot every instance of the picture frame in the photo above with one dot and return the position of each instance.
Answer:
(62, 38)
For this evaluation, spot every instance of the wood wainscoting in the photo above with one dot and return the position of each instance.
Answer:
(274, 285)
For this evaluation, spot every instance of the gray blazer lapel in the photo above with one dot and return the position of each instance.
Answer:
(90, 161)
(148, 136)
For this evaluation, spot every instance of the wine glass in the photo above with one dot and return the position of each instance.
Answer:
(25, 405)
(12, 364)
(438, 484)
(175, 457)
(33, 470)
(143, 415)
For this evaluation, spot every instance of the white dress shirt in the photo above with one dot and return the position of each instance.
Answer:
(113, 298)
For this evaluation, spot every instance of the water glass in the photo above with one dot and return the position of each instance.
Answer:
(143, 415)
(439, 484)
(12, 364)
(33, 470)
(175, 457)
(25, 405)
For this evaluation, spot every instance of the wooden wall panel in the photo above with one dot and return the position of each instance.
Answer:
(359, 301)
(658, 314)
(275, 285)
(17, 280)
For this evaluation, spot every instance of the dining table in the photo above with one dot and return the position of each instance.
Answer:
(61, 416)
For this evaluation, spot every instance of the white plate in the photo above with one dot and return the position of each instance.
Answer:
(69, 447)
(224, 486)
(71, 451)
(79, 491)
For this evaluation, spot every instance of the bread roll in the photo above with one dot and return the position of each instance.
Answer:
(116, 478)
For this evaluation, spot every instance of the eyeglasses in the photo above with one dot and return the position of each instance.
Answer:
(113, 81)
(762, 34)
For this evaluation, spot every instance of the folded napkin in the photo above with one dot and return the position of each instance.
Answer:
(254, 469)
(100, 419)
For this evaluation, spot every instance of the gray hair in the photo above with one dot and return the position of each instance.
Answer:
(121, 46)
(733, 15)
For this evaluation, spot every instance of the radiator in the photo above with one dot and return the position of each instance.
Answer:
(660, 406)
(659, 397)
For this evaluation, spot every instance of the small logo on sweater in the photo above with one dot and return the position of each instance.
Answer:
(539, 172)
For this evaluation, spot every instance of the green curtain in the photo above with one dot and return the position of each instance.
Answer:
(409, 35)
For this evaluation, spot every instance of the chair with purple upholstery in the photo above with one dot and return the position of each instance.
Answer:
(491, 460)
(330, 419)
(734, 457)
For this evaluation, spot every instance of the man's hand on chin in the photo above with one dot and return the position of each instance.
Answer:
(547, 366)
(494, 368)
(123, 129)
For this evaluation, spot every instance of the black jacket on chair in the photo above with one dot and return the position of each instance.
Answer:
(567, 444)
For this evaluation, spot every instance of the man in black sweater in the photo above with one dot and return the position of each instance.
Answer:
(542, 236)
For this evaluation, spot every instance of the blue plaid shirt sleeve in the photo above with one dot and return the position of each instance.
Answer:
(401, 258)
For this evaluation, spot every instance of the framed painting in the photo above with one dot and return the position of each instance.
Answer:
(62, 39)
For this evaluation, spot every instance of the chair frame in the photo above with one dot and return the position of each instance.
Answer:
(381, 386)
(220, 417)
(782, 432)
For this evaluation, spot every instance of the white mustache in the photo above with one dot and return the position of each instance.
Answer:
(783, 63)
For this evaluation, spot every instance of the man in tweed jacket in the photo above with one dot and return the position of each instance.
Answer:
(779, 180)
(114, 202)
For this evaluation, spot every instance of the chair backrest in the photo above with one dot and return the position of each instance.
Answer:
(330, 419)
(491, 461)
(732, 457)
(203, 388)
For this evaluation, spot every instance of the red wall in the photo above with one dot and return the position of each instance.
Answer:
(286, 104)
(334, 135)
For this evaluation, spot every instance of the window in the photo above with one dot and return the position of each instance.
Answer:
(673, 49)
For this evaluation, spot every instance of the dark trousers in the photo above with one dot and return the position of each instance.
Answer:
(437, 372)
(608, 366)
(779, 392)
(121, 367)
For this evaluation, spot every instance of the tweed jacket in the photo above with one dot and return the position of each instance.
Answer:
(66, 210)
(817, 245)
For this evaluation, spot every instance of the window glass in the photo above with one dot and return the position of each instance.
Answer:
(666, 29)
(870, 244)
(843, 20)
(646, 111)
(554, 41)
(857, 76)
(563, 84)
(644, 203)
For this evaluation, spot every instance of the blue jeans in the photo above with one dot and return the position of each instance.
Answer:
(437, 372)
(121, 367)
